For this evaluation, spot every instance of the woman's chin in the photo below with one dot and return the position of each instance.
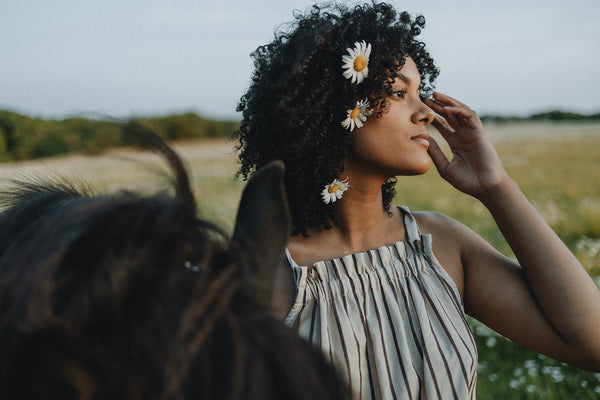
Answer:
(416, 170)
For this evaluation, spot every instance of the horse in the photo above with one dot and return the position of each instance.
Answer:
(124, 295)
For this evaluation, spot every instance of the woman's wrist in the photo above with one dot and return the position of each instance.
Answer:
(498, 193)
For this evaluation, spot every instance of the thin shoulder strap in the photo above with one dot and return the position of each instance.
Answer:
(410, 225)
(289, 260)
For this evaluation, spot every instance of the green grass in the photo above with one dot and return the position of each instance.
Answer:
(556, 165)
(509, 371)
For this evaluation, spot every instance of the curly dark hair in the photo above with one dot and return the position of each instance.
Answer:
(298, 97)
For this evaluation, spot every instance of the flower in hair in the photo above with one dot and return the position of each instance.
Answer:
(356, 64)
(334, 190)
(357, 115)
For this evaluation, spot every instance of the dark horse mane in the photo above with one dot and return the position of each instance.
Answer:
(133, 296)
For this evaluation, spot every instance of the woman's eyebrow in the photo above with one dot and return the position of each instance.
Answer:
(403, 78)
(406, 79)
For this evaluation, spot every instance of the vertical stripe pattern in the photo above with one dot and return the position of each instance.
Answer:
(391, 320)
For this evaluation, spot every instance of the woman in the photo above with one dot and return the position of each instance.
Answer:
(341, 98)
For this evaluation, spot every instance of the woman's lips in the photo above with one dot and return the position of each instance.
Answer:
(421, 138)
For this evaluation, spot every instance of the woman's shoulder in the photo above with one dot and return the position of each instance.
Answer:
(448, 234)
(435, 222)
(449, 240)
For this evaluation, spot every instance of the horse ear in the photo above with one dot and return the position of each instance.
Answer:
(262, 227)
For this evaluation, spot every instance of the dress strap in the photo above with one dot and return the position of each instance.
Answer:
(300, 275)
(410, 225)
(289, 260)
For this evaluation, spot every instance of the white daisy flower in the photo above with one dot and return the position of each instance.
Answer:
(357, 115)
(334, 190)
(356, 64)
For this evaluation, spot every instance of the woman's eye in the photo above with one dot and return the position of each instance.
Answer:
(399, 93)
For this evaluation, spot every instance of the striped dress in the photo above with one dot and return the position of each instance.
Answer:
(391, 320)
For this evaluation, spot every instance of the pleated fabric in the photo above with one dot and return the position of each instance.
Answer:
(391, 320)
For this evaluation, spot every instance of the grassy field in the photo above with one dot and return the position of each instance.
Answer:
(556, 165)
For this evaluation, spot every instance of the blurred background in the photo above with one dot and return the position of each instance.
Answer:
(126, 57)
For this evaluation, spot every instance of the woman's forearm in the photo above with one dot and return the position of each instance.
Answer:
(563, 289)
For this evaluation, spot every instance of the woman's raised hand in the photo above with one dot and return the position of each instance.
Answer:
(475, 167)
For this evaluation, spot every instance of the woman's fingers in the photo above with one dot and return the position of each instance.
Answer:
(437, 156)
(440, 109)
(442, 126)
(436, 106)
(457, 114)
(464, 116)
(461, 114)
(447, 100)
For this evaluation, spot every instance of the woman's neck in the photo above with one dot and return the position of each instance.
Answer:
(362, 219)
(362, 224)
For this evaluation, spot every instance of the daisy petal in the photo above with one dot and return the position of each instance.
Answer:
(357, 116)
(355, 63)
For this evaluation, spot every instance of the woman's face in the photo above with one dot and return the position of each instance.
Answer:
(397, 142)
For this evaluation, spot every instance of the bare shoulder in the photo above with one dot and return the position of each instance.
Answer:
(439, 224)
(449, 232)
(450, 239)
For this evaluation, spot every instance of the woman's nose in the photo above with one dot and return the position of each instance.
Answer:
(423, 114)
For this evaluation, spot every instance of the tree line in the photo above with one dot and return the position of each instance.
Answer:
(552, 116)
(23, 137)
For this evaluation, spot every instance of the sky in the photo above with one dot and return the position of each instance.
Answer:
(125, 58)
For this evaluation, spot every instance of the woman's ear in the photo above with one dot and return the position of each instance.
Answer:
(262, 227)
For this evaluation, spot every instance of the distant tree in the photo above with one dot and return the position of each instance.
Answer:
(557, 115)
(553, 115)
(22, 137)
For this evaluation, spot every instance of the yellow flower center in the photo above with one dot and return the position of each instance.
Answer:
(355, 113)
(333, 188)
(360, 63)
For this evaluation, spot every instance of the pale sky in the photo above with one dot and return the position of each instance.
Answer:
(156, 57)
